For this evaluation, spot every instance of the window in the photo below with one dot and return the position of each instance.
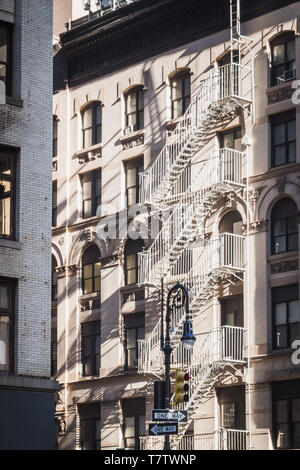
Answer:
(90, 426)
(132, 248)
(286, 316)
(133, 169)
(135, 109)
(283, 135)
(5, 56)
(180, 94)
(7, 315)
(232, 222)
(134, 422)
(53, 352)
(232, 311)
(231, 139)
(54, 203)
(90, 343)
(284, 227)
(134, 330)
(7, 193)
(283, 59)
(286, 414)
(55, 135)
(91, 193)
(92, 125)
(54, 279)
(91, 270)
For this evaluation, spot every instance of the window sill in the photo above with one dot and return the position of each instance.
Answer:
(283, 256)
(12, 101)
(10, 244)
(131, 135)
(89, 154)
(91, 296)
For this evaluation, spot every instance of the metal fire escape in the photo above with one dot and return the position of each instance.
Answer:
(182, 251)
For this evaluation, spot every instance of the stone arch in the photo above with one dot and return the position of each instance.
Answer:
(81, 242)
(55, 251)
(272, 195)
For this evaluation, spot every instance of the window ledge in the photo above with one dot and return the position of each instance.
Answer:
(273, 88)
(10, 244)
(14, 101)
(132, 135)
(283, 256)
(89, 154)
(91, 296)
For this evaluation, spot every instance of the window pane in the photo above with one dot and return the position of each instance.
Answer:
(4, 343)
(280, 244)
(142, 425)
(98, 134)
(87, 138)
(4, 297)
(141, 333)
(5, 207)
(97, 269)
(131, 103)
(291, 130)
(279, 227)
(129, 427)
(131, 276)
(229, 140)
(278, 54)
(131, 177)
(279, 134)
(131, 261)
(281, 409)
(229, 415)
(87, 209)
(88, 286)
(293, 242)
(88, 271)
(98, 115)
(280, 155)
(280, 314)
(141, 119)
(141, 100)
(132, 120)
(296, 436)
(292, 152)
(294, 329)
(87, 189)
(87, 118)
(177, 89)
(97, 284)
(282, 437)
(296, 410)
(3, 44)
(177, 109)
(131, 338)
(291, 50)
(187, 86)
(292, 224)
(132, 358)
(281, 337)
(294, 311)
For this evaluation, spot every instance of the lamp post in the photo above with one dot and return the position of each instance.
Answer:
(178, 298)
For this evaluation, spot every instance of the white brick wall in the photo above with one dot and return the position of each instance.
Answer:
(30, 129)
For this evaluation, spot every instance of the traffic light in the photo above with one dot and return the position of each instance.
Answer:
(181, 386)
(159, 394)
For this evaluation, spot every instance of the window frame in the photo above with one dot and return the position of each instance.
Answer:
(9, 63)
(132, 322)
(286, 234)
(12, 179)
(140, 122)
(93, 106)
(94, 357)
(282, 39)
(276, 120)
(285, 300)
(287, 391)
(91, 177)
(54, 203)
(136, 164)
(55, 137)
(185, 98)
(140, 245)
(10, 313)
(136, 414)
(93, 272)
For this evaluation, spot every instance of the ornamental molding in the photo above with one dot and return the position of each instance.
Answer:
(254, 194)
(256, 226)
(89, 155)
(62, 425)
(89, 304)
(281, 181)
(280, 94)
(264, 386)
(60, 270)
(132, 142)
(285, 266)
(54, 165)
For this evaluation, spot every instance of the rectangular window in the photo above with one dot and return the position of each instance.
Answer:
(134, 330)
(231, 139)
(133, 168)
(90, 343)
(286, 316)
(55, 136)
(54, 203)
(53, 352)
(5, 56)
(7, 317)
(90, 426)
(91, 193)
(181, 95)
(134, 412)
(286, 414)
(7, 193)
(283, 135)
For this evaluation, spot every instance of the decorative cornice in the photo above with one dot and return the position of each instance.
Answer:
(285, 266)
(280, 93)
(257, 226)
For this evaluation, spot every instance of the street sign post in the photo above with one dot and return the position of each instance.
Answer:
(169, 415)
(163, 429)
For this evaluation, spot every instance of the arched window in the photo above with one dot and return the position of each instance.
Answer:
(284, 226)
(91, 270)
(54, 279)
(283, 58)
(180, 93)
(132, 248)
(92, 124)
(231, 223)
(134, 100)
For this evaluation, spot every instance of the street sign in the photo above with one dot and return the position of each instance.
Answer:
(163, 429)
(169, 415)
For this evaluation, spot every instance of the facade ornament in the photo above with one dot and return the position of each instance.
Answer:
(61, 425)
(89, 155)
(61, 270)
(133, 142)
(285, 266)
(280, 183)
(281, 94)
(88, 234)
(254, 194)
(54, 165)
(256, 226)
(61, 241)
(73, 268)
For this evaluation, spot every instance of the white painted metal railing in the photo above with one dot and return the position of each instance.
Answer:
(187, 217)
(224, 253)
(222, 439)
(230, 82)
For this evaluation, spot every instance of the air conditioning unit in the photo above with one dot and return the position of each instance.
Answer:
(286, 76)
(129, 129)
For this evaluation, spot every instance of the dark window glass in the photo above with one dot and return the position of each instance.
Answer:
(286, 414)
(283, 59)
(91, 193)
(232, 139)
(53, 352)
(54, 279)
(90, 426)
(135, 109)
(134, 422)
(283, 134)
(133, 169)
(180, 94)
(55, 136)
(7, 316)
(5, 56)
(92, 125)
(54, 203)
(286, 316)
(132, 248)
(284, 226)
(134, 331)
(91, 270)
(91, 340)
(7, 193)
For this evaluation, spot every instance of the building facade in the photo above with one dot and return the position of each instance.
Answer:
(27, 392)
(194, 115)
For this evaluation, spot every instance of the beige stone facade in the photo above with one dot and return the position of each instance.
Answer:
(246, 397)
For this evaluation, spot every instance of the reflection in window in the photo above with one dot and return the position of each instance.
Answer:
(92, 125)
(284, 226)
(91, 270)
